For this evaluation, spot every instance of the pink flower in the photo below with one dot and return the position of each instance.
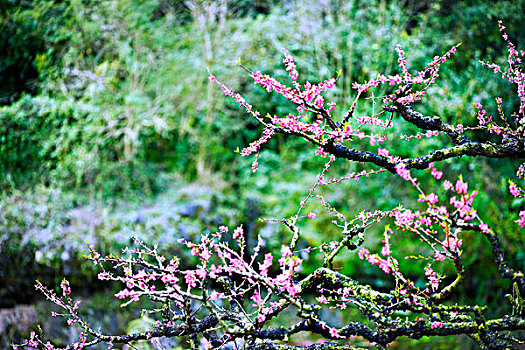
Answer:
(205, 343)
(255, 165)
(439, 256)
(169, 278)
(452, 243)
(214, 295)
(122, 294)
(321, 299)
(201, 272)
(385, 251)
(285, 251)
(363, 253)
(514, 190)
(66, 290)
(434, 282)
(432, 198)
(436, 325)
(32, 342)
(461, 186)
(402, 171)
(333, 333)
(256, 297)
(205, 255)
(289, 63)
(294, 289)
(238, 233)
(437, 174)
(383, 152)
(373, 259)
(521, 221)
(141, 275)
(484, 228)
(311, 216)
(263, 268)
(384, 265)
(319, 151)
(191, 279)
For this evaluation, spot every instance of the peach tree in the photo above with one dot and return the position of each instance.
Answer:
(234, 296)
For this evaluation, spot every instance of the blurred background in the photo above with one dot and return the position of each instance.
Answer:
(109, 127)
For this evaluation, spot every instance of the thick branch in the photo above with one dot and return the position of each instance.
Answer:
(417, 330)
(430, 123)
(503, 267)
(323, 346)
(341, 151)
(509, 149)
(471, 148)
(329, 279)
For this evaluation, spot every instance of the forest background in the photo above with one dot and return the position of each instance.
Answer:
(109, 127)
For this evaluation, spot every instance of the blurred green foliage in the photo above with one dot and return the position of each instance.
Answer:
(106, 109)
